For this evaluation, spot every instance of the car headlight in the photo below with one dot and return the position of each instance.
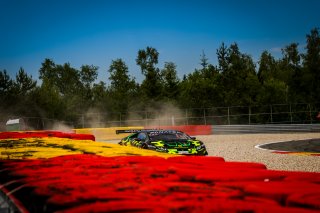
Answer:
(202, 146)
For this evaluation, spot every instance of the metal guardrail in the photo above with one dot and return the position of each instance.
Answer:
(268, 128)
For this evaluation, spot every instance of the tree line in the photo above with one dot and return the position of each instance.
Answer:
(66, 92)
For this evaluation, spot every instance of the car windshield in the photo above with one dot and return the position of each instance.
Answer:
(168, 136)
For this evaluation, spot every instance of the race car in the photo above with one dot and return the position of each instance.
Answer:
(169, 141)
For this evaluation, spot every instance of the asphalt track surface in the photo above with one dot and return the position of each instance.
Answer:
(310, 145)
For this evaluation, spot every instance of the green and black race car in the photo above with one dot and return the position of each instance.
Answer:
(170, 141)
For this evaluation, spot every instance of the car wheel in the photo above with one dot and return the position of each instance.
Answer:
(144, 146)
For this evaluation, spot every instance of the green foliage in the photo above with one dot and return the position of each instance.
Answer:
(291, 73)
(222, 54)
(23, 84)
(72, 87)
(151, 86)
(238, 77)
(202, 88)
(65, 93)
(204, 61)
(170, 81)
(49, 102)
(47, 72)
(88, 75)
(147, 59)
(6, 89)
(267, 67)
(16, 95)
(274, 91)
(122, 88)
(312, 64)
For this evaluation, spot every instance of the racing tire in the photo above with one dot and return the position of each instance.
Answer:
(144, 146)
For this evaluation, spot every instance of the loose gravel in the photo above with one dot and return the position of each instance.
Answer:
(241, 147)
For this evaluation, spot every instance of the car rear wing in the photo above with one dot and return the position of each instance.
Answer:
(121, 131)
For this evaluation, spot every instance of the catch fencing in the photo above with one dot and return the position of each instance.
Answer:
(299, 113)
(235, 115)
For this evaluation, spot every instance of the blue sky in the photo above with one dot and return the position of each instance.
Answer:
(95, 32)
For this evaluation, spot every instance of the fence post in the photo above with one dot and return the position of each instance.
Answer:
(159, 119)
(290, 114)
(310, 114)
(271, 114)
(173, 123)
(43, 125)
(187, 116)
(249, 115)
(228, 115)
(146, 118)
(82, 121)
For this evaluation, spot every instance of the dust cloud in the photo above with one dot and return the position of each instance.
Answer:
(159, 114)
(94, 118)
(162, 114)
(62, 127)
